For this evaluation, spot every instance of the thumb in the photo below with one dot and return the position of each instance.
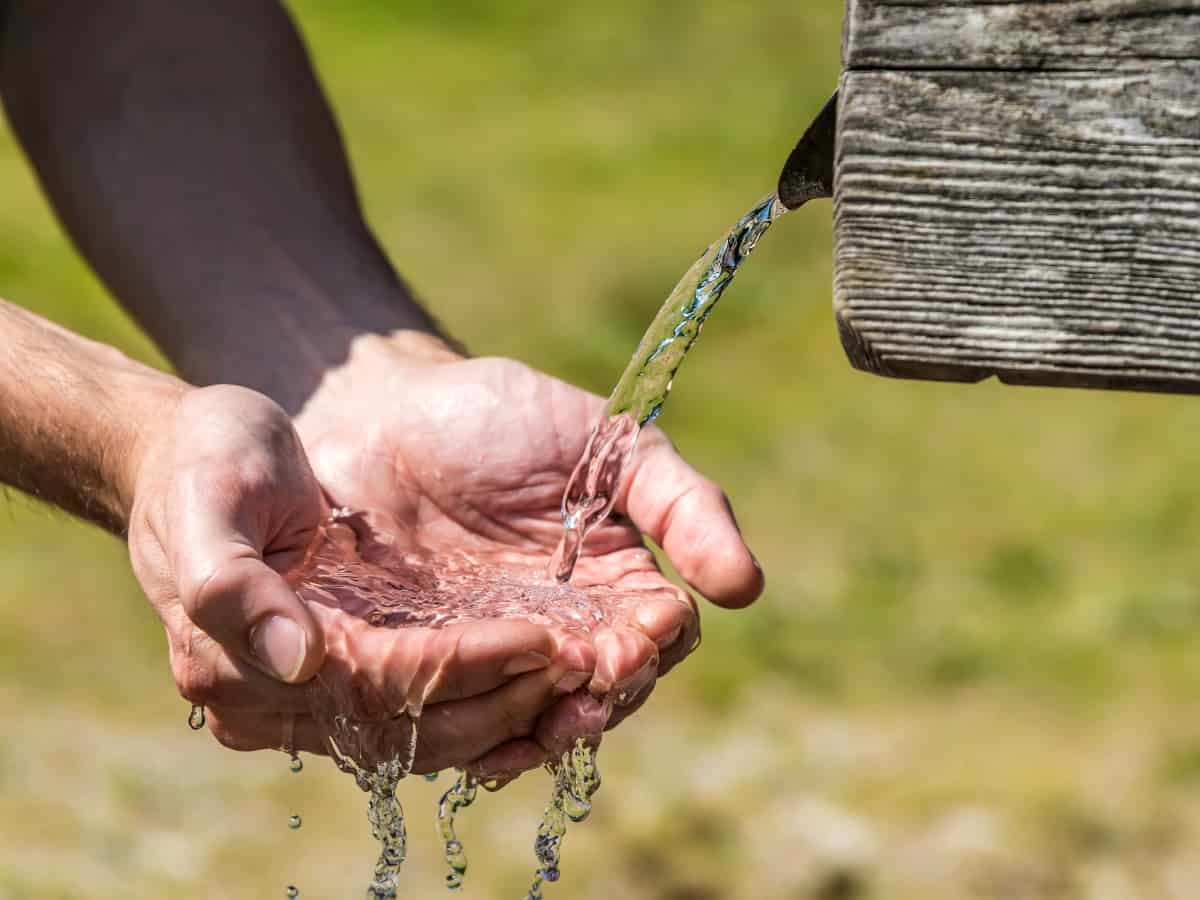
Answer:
(690, 518)
(231, 594)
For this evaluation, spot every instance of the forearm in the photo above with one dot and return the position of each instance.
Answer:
(71, 411)
(189, 151)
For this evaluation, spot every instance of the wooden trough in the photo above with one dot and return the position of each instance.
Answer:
(1017, 191)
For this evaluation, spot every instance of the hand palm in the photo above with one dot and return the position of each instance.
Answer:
(476, 459)
(473, 455)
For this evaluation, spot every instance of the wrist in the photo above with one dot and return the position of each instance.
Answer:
(149, 399)
(280, 334)
(405, 345)
(375, 365)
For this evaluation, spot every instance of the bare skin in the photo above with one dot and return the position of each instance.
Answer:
(225, 505)
(476, 458)
(220, 503)
(218, 500)
(190, 154)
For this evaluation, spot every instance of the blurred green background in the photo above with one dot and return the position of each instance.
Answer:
(973, 674)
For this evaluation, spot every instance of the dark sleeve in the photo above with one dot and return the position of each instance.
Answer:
(191, 154)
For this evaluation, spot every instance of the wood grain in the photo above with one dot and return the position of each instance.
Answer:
(1042, 227)
(1046, 34)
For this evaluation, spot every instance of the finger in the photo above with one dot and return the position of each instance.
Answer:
(690, 518)
(666, 615)
(368, 743)
(625, 661)
(448, 734)
(378, 672)
(683, 646)
(248, 608)
(207, 675)
(246, 730)
(229, 592)
(455, 733)
(508, 760)
(487, 655)
(579, 715)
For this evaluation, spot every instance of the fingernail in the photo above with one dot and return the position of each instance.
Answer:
(280, 645)
(571, 682)
(526, 662)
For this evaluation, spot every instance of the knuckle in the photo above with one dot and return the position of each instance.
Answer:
(208, 593)
(710, 492)
(196, 589)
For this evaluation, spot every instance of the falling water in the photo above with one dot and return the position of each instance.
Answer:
(459, 797)
(643, 387)
(576, 780)
(196, 718)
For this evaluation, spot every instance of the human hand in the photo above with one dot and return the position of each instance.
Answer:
(473, 455)
(224, 506)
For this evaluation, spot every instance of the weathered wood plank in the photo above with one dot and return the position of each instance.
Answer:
(1043, 34)
(1043, 227)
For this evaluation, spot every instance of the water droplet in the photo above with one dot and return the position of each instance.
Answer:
(293, 892)
(196, 718)
(294, 822)
(296, 764)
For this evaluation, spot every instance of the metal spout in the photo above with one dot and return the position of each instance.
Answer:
(808, 173)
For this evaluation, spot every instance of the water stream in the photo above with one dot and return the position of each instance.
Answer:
(643, 387)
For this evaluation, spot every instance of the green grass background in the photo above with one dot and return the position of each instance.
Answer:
(973, 673)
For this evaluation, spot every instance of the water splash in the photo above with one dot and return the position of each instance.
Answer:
(643, 387)
(461, 795)
(384, 811)
(576, 780)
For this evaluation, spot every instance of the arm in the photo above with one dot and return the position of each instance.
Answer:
(190, 153)
(69, 409)
(129, 448)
